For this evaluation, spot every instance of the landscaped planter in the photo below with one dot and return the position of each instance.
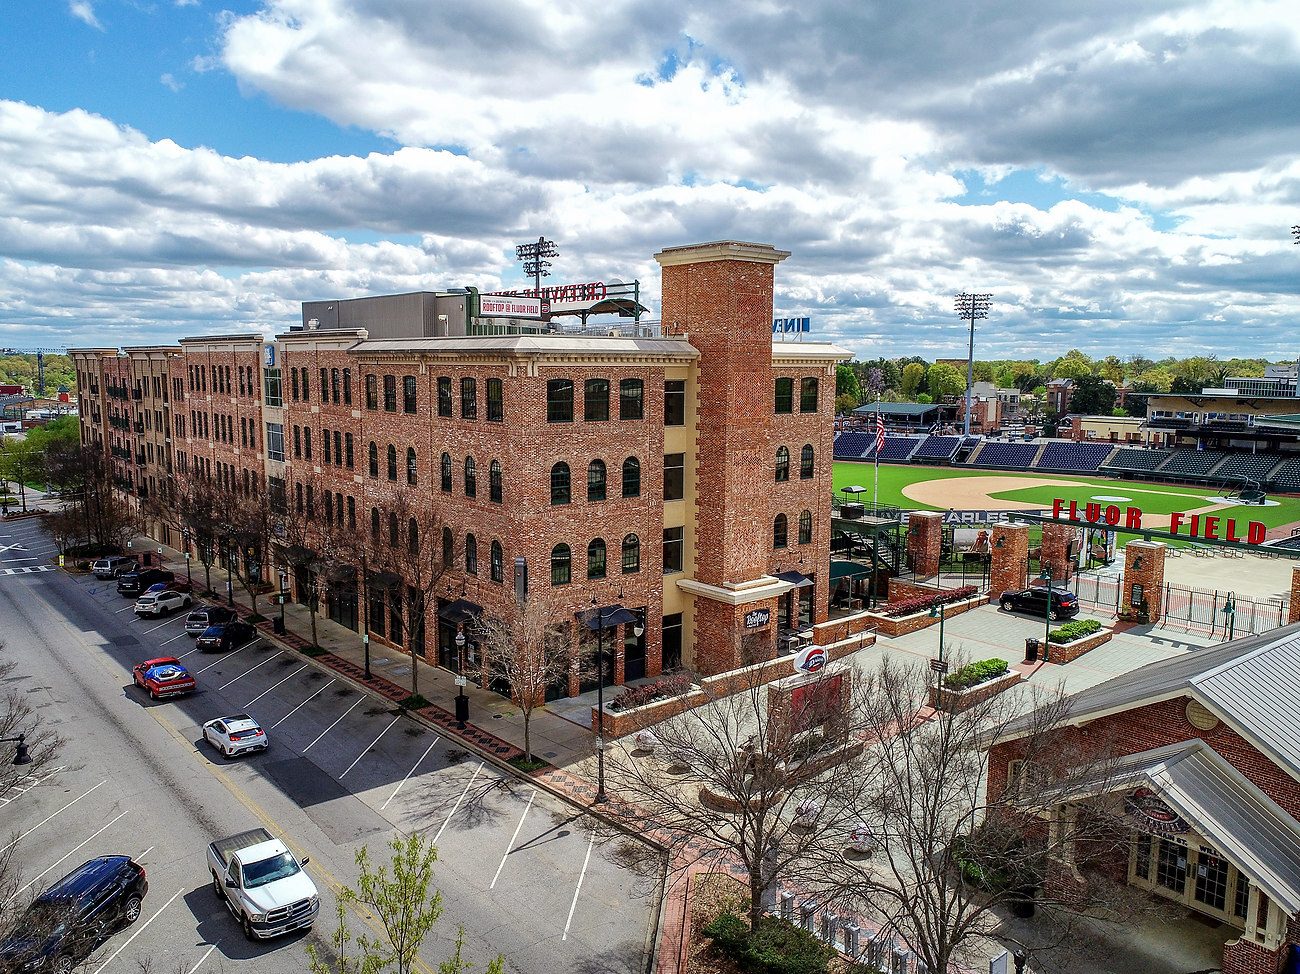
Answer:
(819, 761)
(901, 625)
(1069, 652)
(955, 701)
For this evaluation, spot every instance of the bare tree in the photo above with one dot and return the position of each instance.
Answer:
(762, 776)
(246, 523)
(952, 857)
(528, 652)
(108, 518)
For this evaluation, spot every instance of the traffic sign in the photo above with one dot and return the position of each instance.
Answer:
(938, 666)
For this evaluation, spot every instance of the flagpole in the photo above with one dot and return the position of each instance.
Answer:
(875, 492)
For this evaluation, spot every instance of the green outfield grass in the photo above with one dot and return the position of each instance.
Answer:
(1151, 498)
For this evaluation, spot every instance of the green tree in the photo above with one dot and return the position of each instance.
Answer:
(846, 383)
(944, 380)
(845, 404)
(913, 376)
(1092, 396)
(1111, 368)
(406, 907)
(1070, 368)
(21, 461)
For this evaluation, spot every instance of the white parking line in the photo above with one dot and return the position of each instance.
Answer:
(160, 625)
(372, 744)
(331, 726)
(70, 852)
(224, 657)
(512, 838)
(269, 689)
(301, 705)
(250, 669)
(581, 876)
(409, 773)
(124, 609)
(23, 785)
(138, 930)
(50, 816)
(205, 956)
(458, 801)
(173, 639)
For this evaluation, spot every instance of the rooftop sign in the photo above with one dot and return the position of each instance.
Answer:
(508, 306)
(1204, 526)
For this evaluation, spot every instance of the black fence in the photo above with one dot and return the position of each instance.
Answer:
(1222, 612)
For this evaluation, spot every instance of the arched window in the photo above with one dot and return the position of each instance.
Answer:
(805, 527)
(560, 483)
(412, 467)
(446, 472)
(806, 462)
(494, 482)
(471, 554)
(413, 536)
(374, 459)
(471, 478)
(392, 462)
(631, 554)
(393, 539)
(779, 530)
(560, 567)
(448, 548)
(497, 566)
(631, 477)
(374, 525)
(782, 464)
(596, 558)
(596, 480)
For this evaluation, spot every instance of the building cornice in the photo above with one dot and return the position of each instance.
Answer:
(753, 253)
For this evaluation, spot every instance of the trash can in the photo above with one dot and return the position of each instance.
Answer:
(1031, 650)
(277, 626)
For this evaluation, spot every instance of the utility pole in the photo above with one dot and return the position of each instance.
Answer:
(969, 307)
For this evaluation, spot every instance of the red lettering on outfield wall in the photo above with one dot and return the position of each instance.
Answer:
(1133, 518)
(1256, 533)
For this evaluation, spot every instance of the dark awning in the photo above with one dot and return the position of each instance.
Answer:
(797, 579)
(296, 554)
(460, 611)
(606, 616)
(842, 569)
(385, 580)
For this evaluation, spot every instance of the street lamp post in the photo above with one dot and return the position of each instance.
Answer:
(462, 701)
(365, 612)
(284, 592)
(598, 618)
(970, 307)
(185, 537)
(21, 756)
(942, 668)
(1046, 573)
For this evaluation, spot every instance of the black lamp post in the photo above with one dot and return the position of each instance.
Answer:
(185, 539)
(462, 701)
(598, 619)
(284, 593)
(21, 756)
(942, 668)
(1046, 572)
(365, 612)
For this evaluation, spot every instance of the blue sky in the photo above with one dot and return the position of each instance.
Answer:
(1121, 175)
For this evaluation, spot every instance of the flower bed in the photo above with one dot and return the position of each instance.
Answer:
(1071, 631)
(955, 701)
(891, 625)
(923, 603)
(975, 673)
(671, 686)
(1067, 652)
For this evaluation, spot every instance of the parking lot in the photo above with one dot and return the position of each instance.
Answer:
(515, 865)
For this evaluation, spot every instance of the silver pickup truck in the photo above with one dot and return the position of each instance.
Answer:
(262, 884)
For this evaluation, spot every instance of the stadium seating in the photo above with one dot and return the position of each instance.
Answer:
(1015, 455)
(1287, 476)
(1243, 467)
(898, 447)
(853, 445)
(938, 448)
(1191, 463)
(1083, 457)
(1136, 459)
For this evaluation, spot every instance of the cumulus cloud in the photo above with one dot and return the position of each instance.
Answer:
(85, 12)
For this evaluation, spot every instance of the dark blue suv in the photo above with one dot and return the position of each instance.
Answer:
(75, 915)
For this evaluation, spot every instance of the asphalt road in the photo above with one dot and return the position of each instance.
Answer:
(517, 868)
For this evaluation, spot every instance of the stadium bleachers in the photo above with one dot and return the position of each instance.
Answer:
(1241, 467)
(1006, 455)
(937, 448)
(898, 447)
(1083, 457)
(853, 445)
(1287, 476)
(1191, 463)
(1136, 459)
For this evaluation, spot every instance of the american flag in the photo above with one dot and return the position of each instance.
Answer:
(880, 432)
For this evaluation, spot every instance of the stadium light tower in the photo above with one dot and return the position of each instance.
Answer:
(535, 263)
(968, 308)
(1295, 232)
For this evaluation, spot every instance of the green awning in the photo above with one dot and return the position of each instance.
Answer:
(842, 569)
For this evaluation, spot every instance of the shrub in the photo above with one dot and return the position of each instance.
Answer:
(774, 947)
(670, 686)
(973, 674)
(1074, 630)
(922, 603)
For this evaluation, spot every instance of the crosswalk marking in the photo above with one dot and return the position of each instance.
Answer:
(25, 569)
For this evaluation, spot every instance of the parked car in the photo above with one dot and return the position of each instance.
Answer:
(134, 583)
(175, 585)
(160, 602)
(71, 918)
(163, 677)
(1034, 601)
(227, 636)
(113, 566)
(239, 734)
(207, 615)
(262, 884)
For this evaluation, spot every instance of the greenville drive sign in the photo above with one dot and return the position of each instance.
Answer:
(1203, 526)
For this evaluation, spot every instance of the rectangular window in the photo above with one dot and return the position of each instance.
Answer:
(272, 383)
(324, 384)
(347, 387)
(325, 435)
(559, 401)
(495, 410)
(372, 392)
(306, 395)
(785, 395)
(408, 394)
(390, 393)
(334, 384)
(674, 476)
(444, 395)
(275, 441)
(631, 399)
(674, 543)
(347, 441)
(338, 449)
(297, 442)
(293, 374)
(276, 495)
(808, 394)
(595, 400)
(675, 402)
(352, 513)
(468, 398)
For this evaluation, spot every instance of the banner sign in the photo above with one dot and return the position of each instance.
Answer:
(1152, 815)
(507, 306)
(268, 360)
(983, 517)
(757, 618)
(1198, 525)
(785, 325)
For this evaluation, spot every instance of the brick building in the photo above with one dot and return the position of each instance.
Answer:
(677, 475)
(1207, 779)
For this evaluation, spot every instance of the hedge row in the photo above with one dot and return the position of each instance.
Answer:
(774, 947)
(973, 674)
(921, 603)
(1071, 631)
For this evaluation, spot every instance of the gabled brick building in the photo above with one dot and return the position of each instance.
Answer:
(676, 475)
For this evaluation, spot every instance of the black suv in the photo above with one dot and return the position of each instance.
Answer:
(136, 582)
(75, 915)
(1034, 601)
(230, 635)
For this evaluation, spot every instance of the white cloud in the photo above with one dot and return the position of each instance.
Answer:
(170, 81)
(85, 12)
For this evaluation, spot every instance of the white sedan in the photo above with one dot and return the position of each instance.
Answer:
(161, 603)
(235, 735)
